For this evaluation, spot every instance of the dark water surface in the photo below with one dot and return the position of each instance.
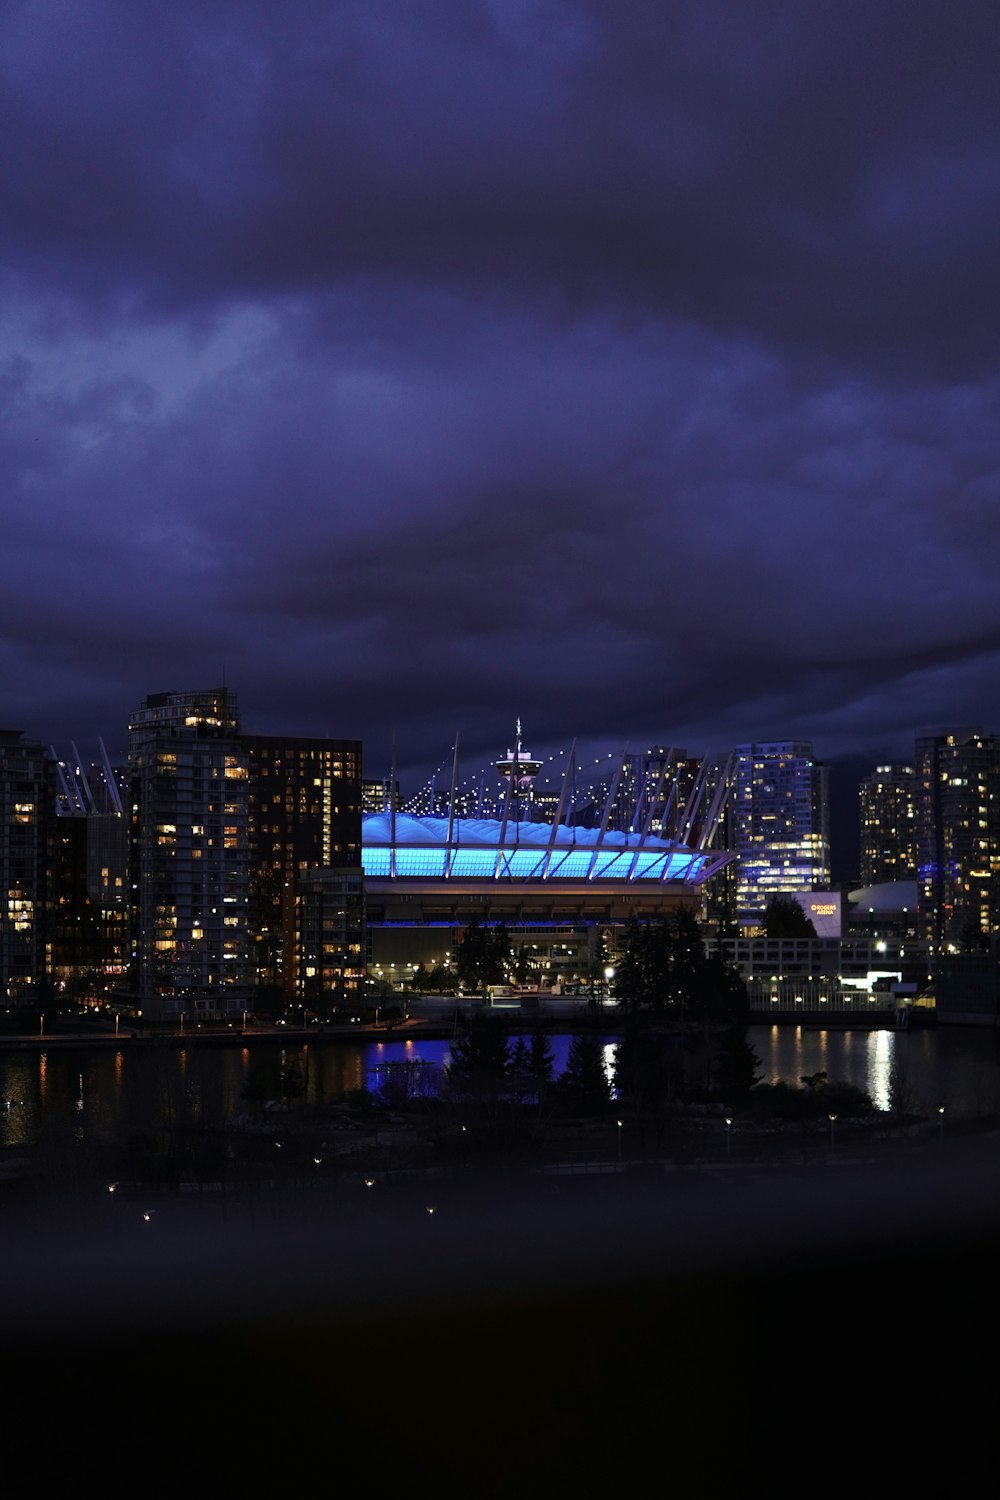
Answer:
(88, 1093)
(556, 1346)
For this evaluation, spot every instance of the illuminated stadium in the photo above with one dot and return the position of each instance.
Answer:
(427, 849)
(565, 876)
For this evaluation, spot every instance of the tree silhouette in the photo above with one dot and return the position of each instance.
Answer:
(484, 954)
(663, 970)
(785, 918)
(584, 1085)
(480, 1054)
(737, 1066)
(542, 1061)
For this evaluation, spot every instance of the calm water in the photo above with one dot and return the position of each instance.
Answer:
(89, 1094)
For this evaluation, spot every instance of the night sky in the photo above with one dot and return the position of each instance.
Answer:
(632, 368)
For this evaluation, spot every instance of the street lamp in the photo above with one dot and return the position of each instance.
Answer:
(833, 1138)
(619, 1124)
(940, 1122)
(729, 1135)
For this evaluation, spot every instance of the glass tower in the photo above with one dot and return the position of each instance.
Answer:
(780, 819)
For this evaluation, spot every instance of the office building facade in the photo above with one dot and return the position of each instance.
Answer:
(779, 820)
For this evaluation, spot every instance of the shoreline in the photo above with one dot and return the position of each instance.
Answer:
(437, 1029)
(432, 1029)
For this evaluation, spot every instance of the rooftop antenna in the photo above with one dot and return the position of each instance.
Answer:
(519, 769)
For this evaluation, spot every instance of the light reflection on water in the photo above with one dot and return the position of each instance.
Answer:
(956, 1067)
(93, 1095)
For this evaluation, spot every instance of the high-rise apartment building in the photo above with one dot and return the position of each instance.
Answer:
(888, 825)
(304, 810)
(377, 794)
(330, 936)
(224, 825)
(88, 923)
(208, 711)
(653, 789)
(957, 794)
(90, 890)
(779, 817)
(188, 867)
(27, 830)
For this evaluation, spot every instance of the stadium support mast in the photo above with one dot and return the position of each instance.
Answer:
(454, 791)
(109, 778)
(606, 819)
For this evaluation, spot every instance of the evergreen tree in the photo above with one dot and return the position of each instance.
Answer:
(685, 953)
(657, 951)
(520, 1057)
(641, 1072)
(480, 1054)
(721, 995)
(630, 975)
(737, 1066)
(542, 1061)
(584, 1084)
(785, 918)
(483, 955)
(500, 953)
(520, 1069)
(663, 969)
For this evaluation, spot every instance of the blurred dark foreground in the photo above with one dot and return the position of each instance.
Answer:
(828, 1332)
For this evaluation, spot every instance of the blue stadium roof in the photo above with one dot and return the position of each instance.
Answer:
(483, 849)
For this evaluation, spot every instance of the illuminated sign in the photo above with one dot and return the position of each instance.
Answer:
(823, 908)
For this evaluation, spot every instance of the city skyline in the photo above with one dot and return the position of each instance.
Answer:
(631, 371)
(480, 777)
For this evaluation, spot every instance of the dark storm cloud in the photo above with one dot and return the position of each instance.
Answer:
(630, 368)
(802, 174)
